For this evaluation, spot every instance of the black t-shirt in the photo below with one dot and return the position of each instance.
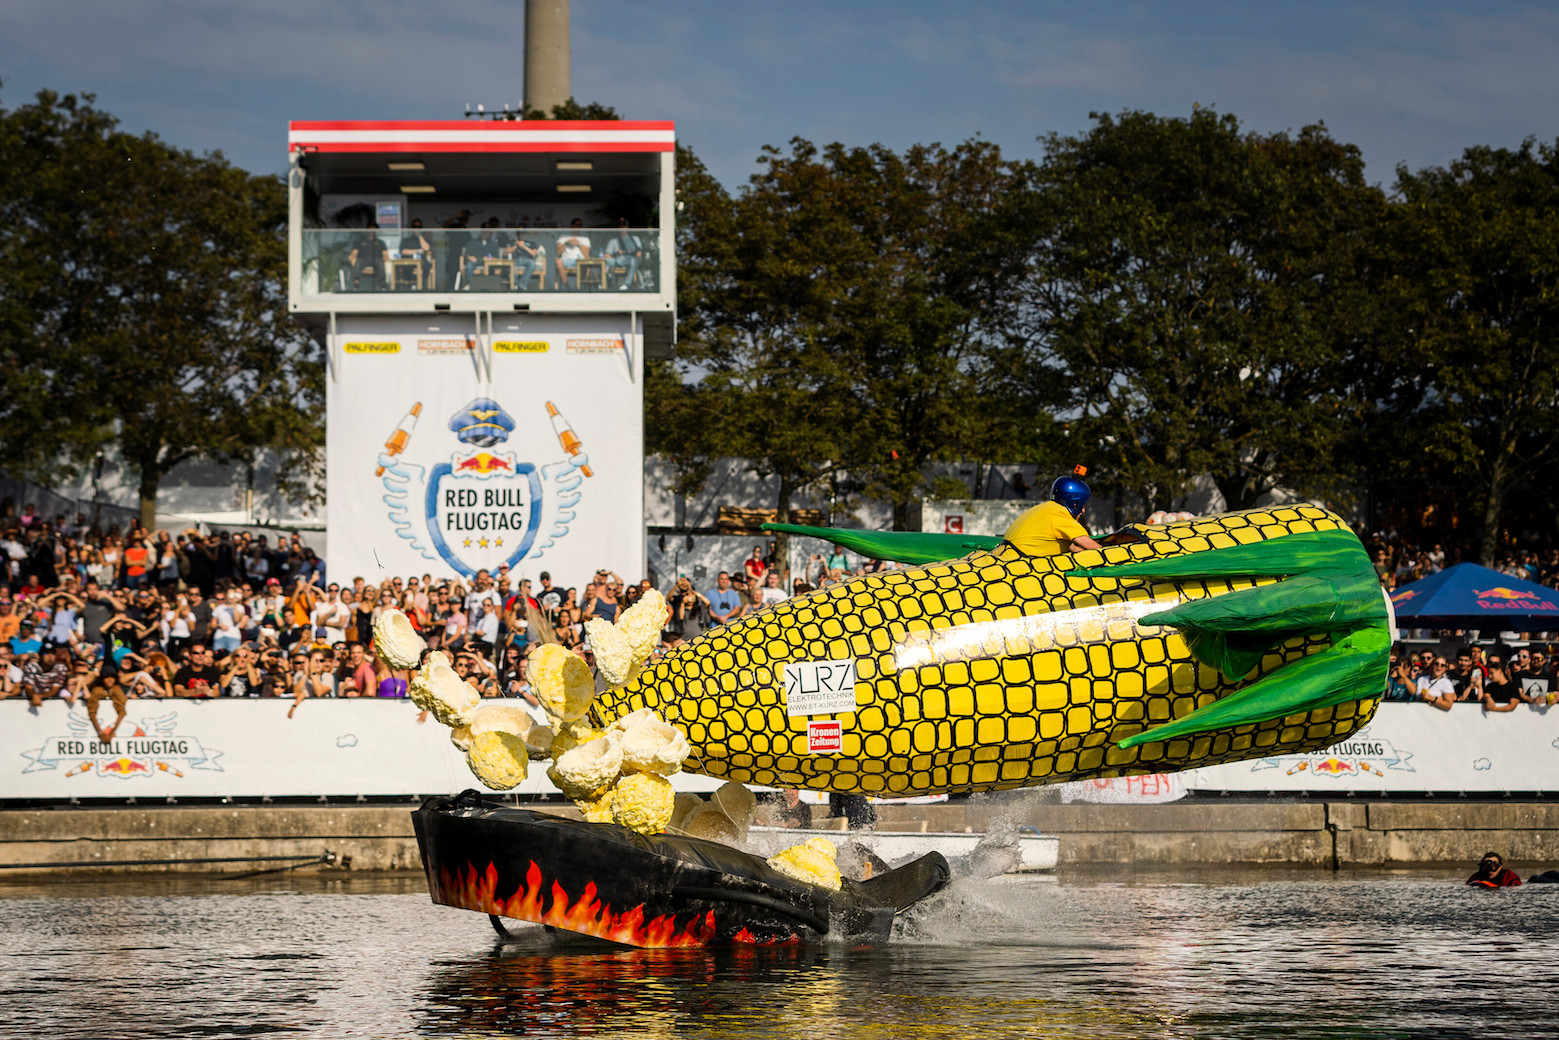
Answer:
(1502, 692)
(552, 599)
(94, 615)
(201, 682)
(202, 625)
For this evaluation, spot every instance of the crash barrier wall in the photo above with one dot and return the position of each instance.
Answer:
(251, 749)
(335, 838)
(240, 748)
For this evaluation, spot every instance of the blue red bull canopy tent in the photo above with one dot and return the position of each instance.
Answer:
(1474, 597)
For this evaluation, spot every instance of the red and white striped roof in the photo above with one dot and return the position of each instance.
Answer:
(480, 135)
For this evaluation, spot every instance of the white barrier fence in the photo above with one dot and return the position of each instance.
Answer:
(250, 749)
(1406, 749)
(241, 749)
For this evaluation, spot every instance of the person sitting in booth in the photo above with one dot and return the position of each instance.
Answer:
(1052, 528)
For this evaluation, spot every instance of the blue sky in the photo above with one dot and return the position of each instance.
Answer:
(1407, 82)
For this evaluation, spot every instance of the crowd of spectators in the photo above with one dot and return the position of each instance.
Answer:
(93, 616)
(1402, 560)
(1498, 676)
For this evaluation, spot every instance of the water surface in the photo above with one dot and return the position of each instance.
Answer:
(1187, 953)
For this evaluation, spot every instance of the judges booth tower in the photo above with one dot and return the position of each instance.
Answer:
(485, 293)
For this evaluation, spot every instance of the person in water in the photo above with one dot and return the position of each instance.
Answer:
(1052, 528)
(1492, 873)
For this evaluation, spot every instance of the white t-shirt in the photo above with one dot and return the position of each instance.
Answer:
(1436, 688)
(480, 604)
(332, 617)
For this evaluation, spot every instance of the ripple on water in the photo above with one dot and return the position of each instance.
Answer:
(1251, 956)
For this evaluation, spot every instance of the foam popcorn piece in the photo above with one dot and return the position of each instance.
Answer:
(613, 651)
(498, 759)
(644, 802)
(599, 810)
(632, 719)
(539, 742)
(450, 698)
(684, 804)
(738, 803)
(396, 641)
(654, 746)
(571, 735)
(586, 771)
(642, 624)
(499, 717)
(460, 736)
(561, 680)
(709, 823)
(812, 861)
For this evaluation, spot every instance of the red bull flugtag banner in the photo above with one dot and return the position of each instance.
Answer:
(518, 444)
(250, 748)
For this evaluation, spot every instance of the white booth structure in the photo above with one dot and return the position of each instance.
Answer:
(485, 293)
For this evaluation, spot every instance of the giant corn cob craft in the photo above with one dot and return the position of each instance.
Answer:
(1204, 641)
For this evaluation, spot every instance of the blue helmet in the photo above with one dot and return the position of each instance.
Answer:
(1071, 492)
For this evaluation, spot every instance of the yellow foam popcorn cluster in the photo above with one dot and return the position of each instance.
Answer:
(653, 746)
(599, 810)
(561, 681)
(437, 688)
(498, 759)
(642, 624)
(644, 802)
(571, 735)
(812, 861)
(502, 717)
(396, 641)
(613, 652)
(585, 772)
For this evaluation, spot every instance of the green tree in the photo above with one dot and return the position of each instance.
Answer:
(144, 296)
(1198, 291)
(572, 109)
(840, 316)
(1472, 373)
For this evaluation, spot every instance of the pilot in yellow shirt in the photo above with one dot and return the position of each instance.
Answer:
(1047, 530)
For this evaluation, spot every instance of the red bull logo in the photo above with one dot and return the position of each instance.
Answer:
(1500, 592)
(483, 463)
(1404, 595)
(1334, 767)
(123, 767)
(1501, 598)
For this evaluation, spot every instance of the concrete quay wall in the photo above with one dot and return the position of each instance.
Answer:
(1324, 835)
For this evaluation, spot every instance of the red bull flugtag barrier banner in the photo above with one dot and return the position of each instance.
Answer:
(250, 749)
(457, 445)
(241, 749)
(1410, 747)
